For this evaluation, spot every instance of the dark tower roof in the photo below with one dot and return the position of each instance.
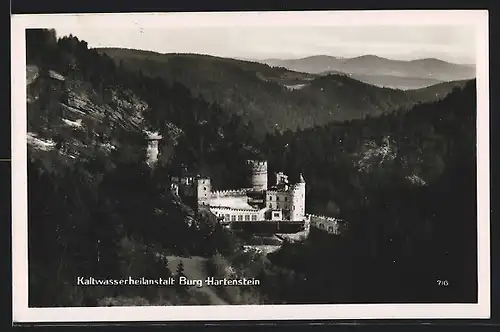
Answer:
(301, 178)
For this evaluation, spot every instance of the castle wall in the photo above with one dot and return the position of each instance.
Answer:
(328, 224)
(229, 193)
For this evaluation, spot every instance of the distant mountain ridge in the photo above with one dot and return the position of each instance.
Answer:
(381, 71)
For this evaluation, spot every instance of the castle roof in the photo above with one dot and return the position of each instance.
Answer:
(301, 178)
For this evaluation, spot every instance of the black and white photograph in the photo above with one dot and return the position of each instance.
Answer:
(250, 166)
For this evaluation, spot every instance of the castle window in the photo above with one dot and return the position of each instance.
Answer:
(226, 217)
(278, 198)
(233, 218)
(254, 217)
(247, 217)
(286, 198)
(276, 214)
(270, 198)
(204, 188)
(271, 205)
(240, 218)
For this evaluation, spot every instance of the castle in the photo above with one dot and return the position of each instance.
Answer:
(280, 202)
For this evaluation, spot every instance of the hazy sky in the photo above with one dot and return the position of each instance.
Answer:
(450, 43)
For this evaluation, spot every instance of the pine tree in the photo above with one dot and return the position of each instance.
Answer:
(178, 274)
(180, 270)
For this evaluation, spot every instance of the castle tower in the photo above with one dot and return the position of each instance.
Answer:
(298, 208)
(203, 191)
(152, 150)
(259, 174)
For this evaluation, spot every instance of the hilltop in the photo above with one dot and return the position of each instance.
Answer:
(270, 98)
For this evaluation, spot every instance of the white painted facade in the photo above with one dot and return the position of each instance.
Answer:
(231, 214)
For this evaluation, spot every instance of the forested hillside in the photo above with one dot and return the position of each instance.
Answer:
(95, 207)
(404, 182)
(271, 98)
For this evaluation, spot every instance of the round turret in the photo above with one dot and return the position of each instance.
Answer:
(299, 199)
(259, 174)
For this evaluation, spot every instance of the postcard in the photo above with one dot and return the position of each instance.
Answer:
(224, 166)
